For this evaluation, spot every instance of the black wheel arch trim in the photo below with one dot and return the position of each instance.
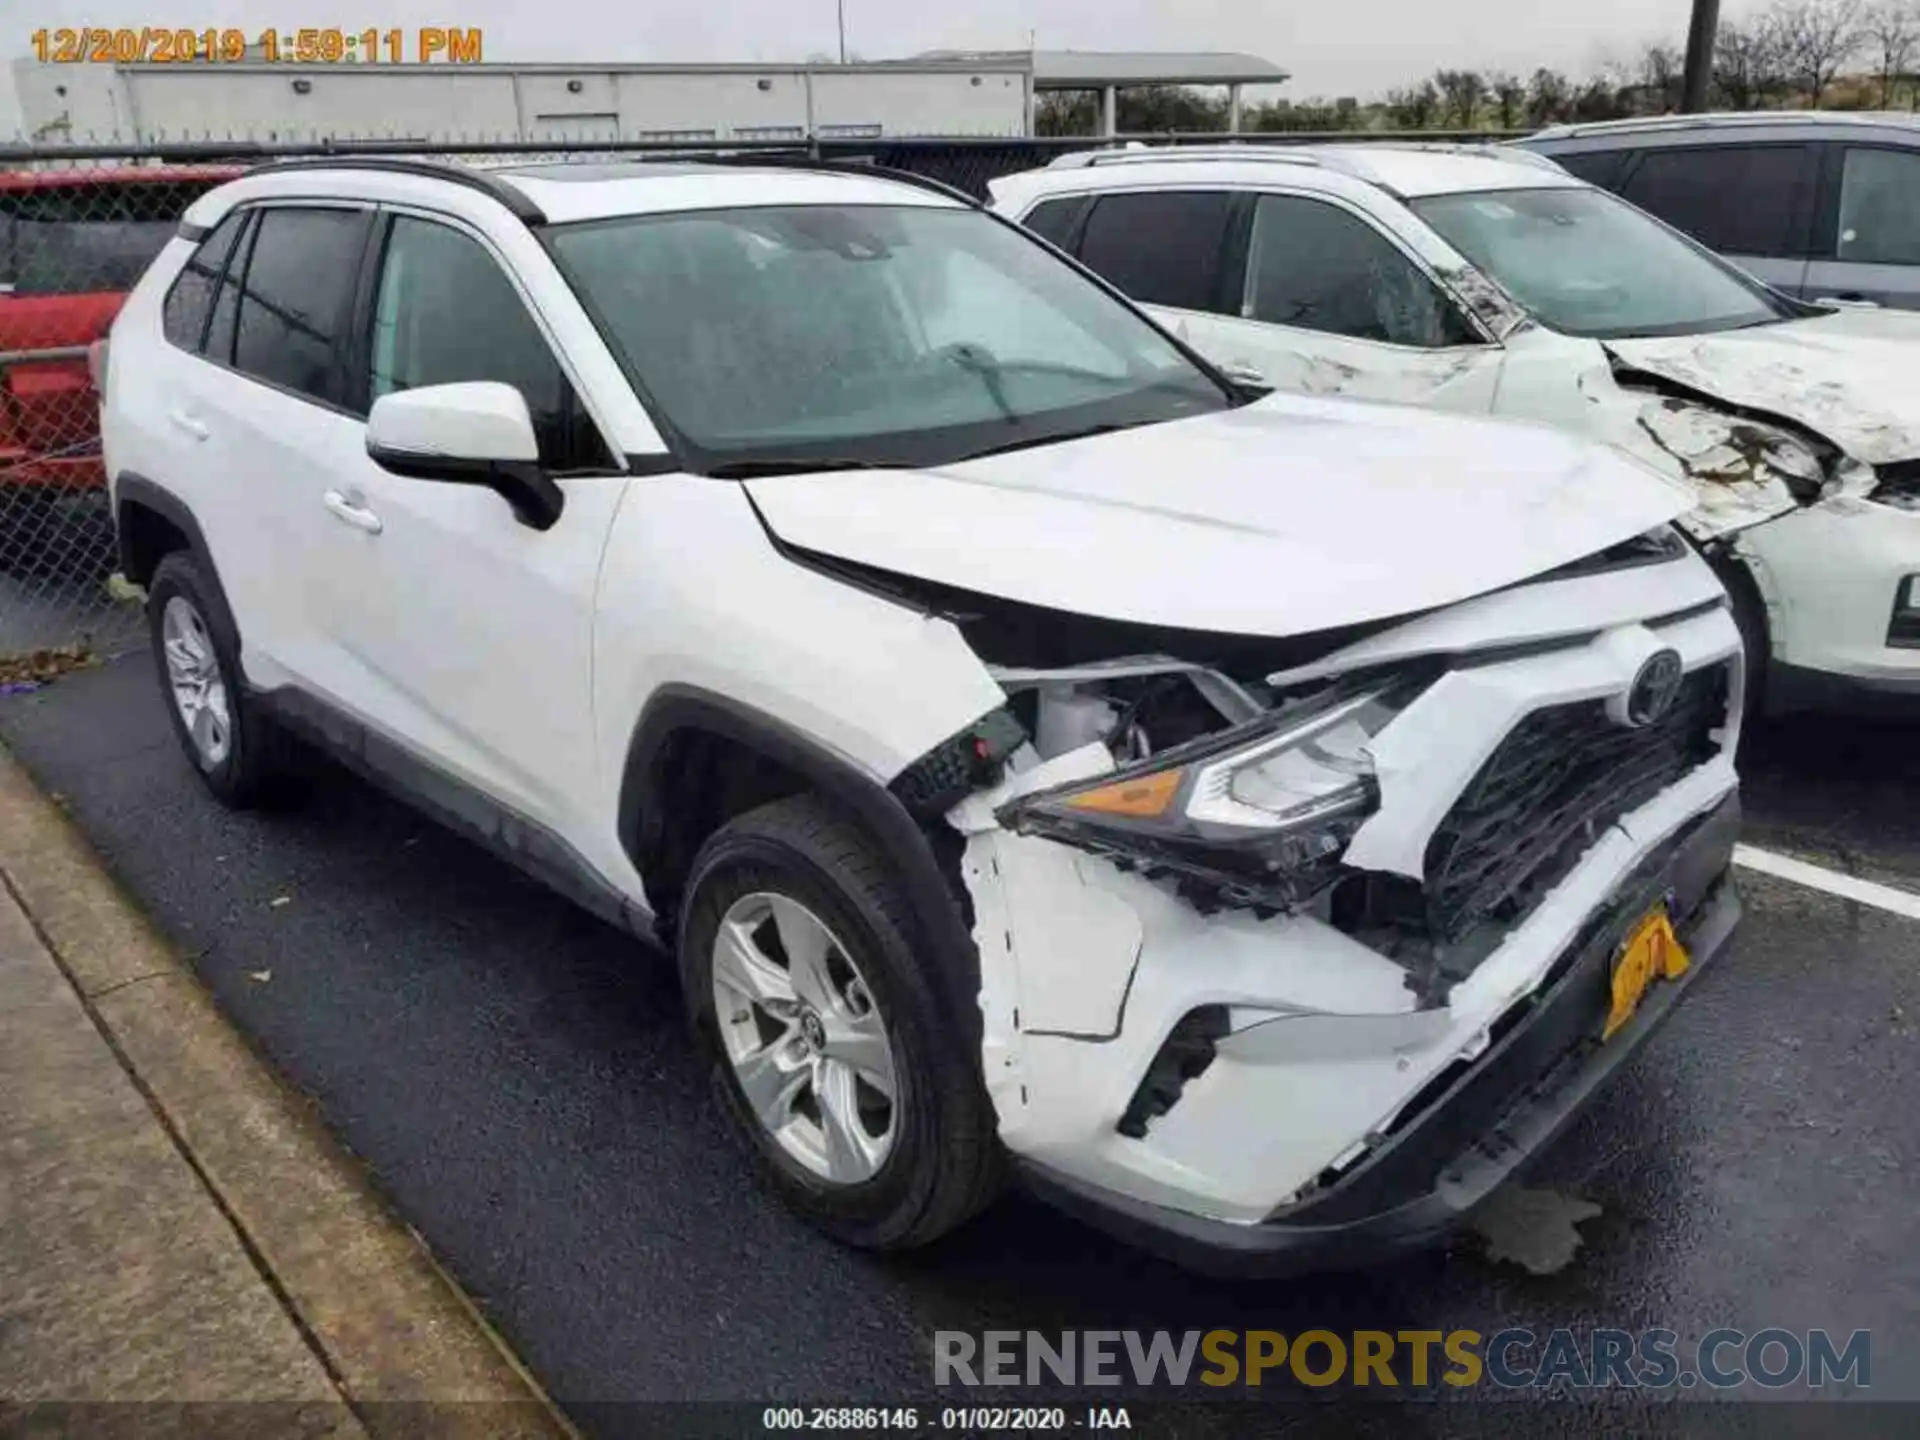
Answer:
(864, 798)
(130, 489)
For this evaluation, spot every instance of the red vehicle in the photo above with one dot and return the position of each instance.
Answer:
(72, 243)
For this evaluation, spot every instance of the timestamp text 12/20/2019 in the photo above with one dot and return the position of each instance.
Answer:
(181, 45)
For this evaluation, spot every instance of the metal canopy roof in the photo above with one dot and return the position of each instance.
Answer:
(1091, 69)
(1068, 69)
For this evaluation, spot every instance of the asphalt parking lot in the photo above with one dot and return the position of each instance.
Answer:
(516, 1076)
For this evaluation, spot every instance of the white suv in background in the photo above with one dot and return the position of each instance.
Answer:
(1492, 282)
(1265, 820)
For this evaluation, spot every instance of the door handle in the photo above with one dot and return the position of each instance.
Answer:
(181, 420)
(349, 513)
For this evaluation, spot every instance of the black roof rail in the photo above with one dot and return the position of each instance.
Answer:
(514, 199)
(802, 160)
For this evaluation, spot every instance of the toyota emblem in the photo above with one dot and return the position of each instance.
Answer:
(1654, 687)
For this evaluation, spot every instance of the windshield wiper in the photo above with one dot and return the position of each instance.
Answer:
(1053, 437)
(798, 465)
(976, 361)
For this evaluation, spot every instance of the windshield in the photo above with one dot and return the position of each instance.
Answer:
(1585, 262)
(887, 335)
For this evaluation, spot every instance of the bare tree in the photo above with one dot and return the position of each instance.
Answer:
(1509, 97)
(1892, 28)
(1066, 112)
(1816, 37)
(1548, 97)
(1462, 90)
(1662, 77)
(1748, 65)
(1413, 108)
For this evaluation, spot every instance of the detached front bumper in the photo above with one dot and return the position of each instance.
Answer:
(1486, 1120)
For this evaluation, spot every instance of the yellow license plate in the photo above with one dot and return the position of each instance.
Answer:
(1651, 952)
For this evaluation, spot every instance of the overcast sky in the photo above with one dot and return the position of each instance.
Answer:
(1330, 48)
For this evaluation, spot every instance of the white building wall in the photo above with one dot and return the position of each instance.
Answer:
(67, 104)
(294, 103)
(173, 103)
(928, 103)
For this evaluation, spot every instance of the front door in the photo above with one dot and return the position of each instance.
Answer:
(1874, 250)
(1331, 306)
(471, 632)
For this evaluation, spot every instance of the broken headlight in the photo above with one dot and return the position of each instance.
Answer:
(1256, 815)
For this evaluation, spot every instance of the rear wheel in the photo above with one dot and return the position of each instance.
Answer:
(239, 753)
(833, 1062)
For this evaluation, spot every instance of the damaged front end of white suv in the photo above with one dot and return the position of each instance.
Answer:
(1312, 851)
(1283, 966)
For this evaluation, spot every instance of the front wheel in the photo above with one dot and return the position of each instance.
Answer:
(833, 1061)
(1756, 640)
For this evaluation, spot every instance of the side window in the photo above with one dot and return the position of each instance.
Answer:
(183, 315)
(1053, 220)
(1737, 199)
(1317, 267)
(1879, 207)
(295, 299)
(226, 305)
(1161, 248)
(447, 313)
(1596, 167)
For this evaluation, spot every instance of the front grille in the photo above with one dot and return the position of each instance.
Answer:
(1560, 777)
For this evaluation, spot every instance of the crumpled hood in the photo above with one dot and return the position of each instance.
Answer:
(1849, 376)
(1285, 517)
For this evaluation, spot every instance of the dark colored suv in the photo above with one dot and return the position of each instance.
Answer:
(72, 243)
(1822, 205)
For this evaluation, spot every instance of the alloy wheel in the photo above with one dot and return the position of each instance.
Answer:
(193, 678)
(806, 1041)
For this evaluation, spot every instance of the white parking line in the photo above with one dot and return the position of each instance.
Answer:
(1785, 867)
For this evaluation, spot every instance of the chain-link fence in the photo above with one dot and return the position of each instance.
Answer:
(78, 225)
(73, 240)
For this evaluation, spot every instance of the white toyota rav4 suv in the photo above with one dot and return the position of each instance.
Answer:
(1263, 820)
(1490, 281)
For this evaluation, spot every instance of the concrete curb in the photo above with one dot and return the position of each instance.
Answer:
(391, 1328)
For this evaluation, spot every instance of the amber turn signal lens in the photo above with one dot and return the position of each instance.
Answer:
(1143, 798)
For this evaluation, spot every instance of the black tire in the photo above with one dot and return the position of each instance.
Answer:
(1750, 616)
(944, 1164)
(259, 766)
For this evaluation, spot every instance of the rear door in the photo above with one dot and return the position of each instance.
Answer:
(265, 421)
(1167, 249)
(1751, 202)
(1867, 228)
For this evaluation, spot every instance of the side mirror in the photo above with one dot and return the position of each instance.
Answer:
(474, 433)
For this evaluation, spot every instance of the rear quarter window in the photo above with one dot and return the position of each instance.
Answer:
(1597, 167)
(1054, 220)
(87, 239)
